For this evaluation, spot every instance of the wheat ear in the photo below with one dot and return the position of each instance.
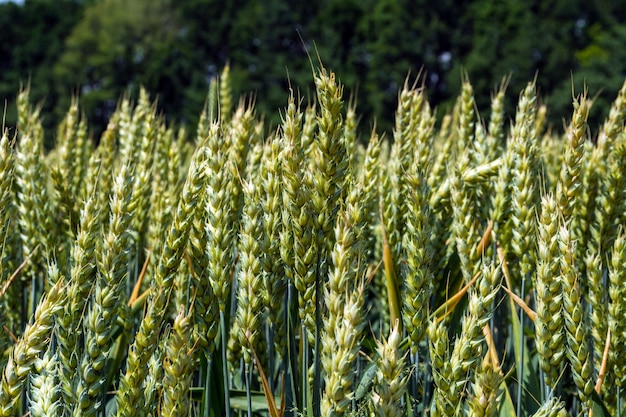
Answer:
(178, 366)
(342, 322)
(391, 378)
(26, 351)
(44, 398)
(549, 326)
(576, 322)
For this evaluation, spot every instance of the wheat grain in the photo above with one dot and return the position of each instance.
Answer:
(205, 304)
(569, 186)
(598, 303)
(442, 403)
(218, 212)
(468, 349)
(104, 158)
(465, 126)
(464, 228)
(370, 178)
(32, 203)
(613, 125)
(145, 128)
(7, 161)
(239, 135)
(610, 198)
(402, 161)
(495, 133)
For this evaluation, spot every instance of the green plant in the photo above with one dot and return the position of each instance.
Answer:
(442, 274)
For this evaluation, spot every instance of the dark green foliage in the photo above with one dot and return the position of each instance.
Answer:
(105, 48)
(31, 39)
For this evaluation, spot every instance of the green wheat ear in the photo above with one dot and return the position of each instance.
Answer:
(418, 274)
(617, 309)
(274, 279)
(549, 326)
(34, 205)
(330, 168)
(297, 239)
(390, 381)
(25, 352)
(576, 320)
(252, 246)
(526, 186)
(44, 390)
(343, 320)
(7, 163)
(486, 392)
(225, 96)
(178, 365)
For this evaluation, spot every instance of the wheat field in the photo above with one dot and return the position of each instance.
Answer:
(460, 265)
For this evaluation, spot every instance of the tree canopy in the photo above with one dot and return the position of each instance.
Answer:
(102, 49)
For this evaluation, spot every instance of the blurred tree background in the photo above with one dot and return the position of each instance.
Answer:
(101, 49)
